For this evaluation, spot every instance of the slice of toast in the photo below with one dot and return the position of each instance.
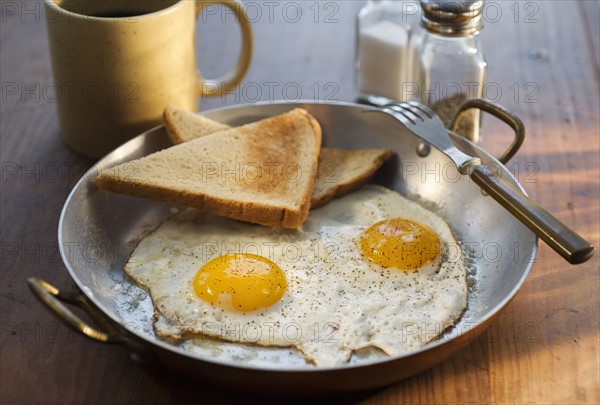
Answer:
(182, 125)
(261, 172)
(340, 171)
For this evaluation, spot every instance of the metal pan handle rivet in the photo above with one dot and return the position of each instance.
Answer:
(423, 149)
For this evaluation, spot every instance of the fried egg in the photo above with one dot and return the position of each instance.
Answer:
(371, 269)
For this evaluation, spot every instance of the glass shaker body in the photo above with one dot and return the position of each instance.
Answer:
(382, 65)
(451, 70)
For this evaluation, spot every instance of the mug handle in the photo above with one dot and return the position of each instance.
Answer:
(228, 82)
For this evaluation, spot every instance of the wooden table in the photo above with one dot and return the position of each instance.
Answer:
(543, 56)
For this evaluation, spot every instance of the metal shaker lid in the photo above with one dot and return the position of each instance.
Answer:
(452, 17)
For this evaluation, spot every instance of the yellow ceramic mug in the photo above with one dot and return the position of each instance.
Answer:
(118, 63)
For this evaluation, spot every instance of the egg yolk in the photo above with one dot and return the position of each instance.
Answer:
(399, 243)
(240, 282)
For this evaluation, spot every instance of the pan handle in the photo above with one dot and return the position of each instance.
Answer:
(557, 235)
(499, 112)
(52, 297)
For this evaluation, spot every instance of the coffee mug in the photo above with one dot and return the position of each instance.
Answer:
(118, 63)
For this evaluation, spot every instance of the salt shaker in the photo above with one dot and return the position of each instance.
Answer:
(382, 63)
(451, 67)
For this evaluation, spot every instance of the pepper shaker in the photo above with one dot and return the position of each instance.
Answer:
(451, 67)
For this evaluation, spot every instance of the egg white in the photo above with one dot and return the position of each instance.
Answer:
(336, 301)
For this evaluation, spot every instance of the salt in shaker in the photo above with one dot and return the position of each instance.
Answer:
(382, 64)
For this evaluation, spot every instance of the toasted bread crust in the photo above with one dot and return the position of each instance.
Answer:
(182, 125)
(372, 160)
(256, 212)
(277, 203)
(190, 126)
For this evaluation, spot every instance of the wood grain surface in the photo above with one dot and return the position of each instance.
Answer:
(543, 62)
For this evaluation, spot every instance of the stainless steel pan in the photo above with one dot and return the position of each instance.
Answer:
(98, 231)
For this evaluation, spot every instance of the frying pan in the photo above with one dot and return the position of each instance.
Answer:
(98, 231)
